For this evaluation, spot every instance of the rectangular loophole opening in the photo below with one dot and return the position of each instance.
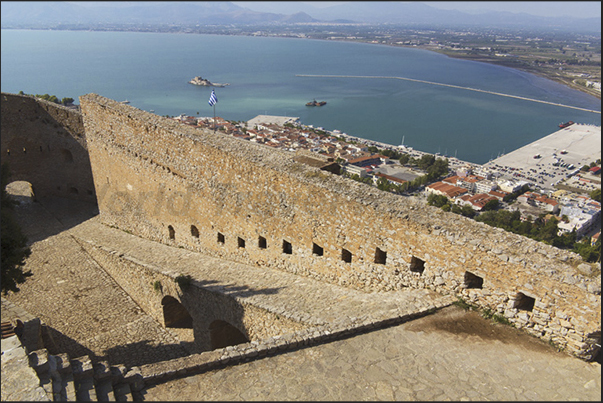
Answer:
(317, 250)
(262, 242)
(287, 247)
(417, 265)
(473, 281)
(380, 256)
(240, 242)
(346, 255)
(221, 238)
(523, 302)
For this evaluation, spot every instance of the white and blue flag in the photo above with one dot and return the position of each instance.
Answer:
(213, 99)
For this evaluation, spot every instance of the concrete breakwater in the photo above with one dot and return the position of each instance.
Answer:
(452, 86)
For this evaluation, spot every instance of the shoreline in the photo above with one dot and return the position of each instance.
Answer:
(527, 69)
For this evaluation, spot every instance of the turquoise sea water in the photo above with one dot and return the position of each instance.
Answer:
(152, 71)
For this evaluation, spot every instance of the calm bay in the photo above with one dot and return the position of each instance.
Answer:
(152, 71)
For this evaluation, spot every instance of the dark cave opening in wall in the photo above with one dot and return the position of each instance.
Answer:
(175, 314)
(417, 265)
(223, 334)
(346, 255)
(473, 281)
(194, 231)
(380, 256)
(524, 302)
(317, 250)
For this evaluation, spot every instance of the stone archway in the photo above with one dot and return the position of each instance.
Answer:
(21, 191)
(223, 334)
(175, 314)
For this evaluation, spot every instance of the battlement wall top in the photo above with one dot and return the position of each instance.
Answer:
(457, 229)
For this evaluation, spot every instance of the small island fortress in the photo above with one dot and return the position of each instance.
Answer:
(198, 80)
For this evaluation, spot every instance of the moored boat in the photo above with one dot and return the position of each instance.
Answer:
(315, 103)
(566, 124)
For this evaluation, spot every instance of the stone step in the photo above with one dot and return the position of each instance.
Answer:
(68, 384)
(123, 393)
(104, 390)
(39, 361)
(7, 330)
(79, 379)
(85, 390)
(82, 368)
(59, 371)
(104, 382)
(57, 379)
(83, 376)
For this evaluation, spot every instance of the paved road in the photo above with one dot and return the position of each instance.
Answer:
(419, 360)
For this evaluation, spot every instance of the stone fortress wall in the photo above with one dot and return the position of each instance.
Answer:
(251, 204)
(244, 202)
(44, 144)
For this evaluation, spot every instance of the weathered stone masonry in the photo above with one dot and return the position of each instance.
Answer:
(252, 204)
(44, 144)
(204, 306)
(255, 205)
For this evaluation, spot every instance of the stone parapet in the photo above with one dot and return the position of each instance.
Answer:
(243, 202)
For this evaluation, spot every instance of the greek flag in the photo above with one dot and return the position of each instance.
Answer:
(213, 99)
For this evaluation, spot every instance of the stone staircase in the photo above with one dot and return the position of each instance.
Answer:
(79, 379)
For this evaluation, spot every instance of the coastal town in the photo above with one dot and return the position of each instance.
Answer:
(554, 176)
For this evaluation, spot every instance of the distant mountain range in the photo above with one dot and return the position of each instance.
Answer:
(34, 14)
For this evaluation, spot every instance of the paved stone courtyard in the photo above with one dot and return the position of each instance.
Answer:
(451, 355)
(414, 361)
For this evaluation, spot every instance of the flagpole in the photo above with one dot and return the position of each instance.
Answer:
(213, 89)
(213, 100)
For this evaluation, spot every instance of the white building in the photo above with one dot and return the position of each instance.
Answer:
(355, 170)
(485, 186)
(509, 186)
(583, 215)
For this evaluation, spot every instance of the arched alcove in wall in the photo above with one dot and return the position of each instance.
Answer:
(175, 314)
(223, 334)
(21, 191)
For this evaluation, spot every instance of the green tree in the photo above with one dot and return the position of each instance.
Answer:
(491, 205)
(404, 158)
(590, 253)
(384, 184)
(467, 211)
(596, 195)
(426, 161)
(14, 242)
(437, 200)
(548, 231)
(566, 240)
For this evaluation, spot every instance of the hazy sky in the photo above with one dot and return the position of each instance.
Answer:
(583, 9)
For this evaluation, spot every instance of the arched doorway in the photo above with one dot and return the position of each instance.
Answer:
(175, 314)
(223, 334)
(21, 191)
